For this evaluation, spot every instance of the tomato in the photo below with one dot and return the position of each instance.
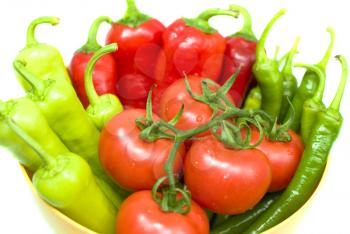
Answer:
(195, 113)
(284, 158)
(140, 214)
(226, 181)
(132, 162)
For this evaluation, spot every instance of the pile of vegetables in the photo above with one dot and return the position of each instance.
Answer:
(172, 129)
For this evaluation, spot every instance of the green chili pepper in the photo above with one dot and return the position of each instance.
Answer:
(43, 60)
(290, 83)
(68, 119)
(314, 105)
(219, 219)
(66, 182)
(312, 165)
(267, 74)
(238, 223)
(253, 100)
(102, 108)
(308, 87)
(28, 116)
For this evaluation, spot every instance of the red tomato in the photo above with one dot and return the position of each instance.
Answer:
(195, 113)
(226, 181)
(133, 163)
(139, 214)
(284, 158)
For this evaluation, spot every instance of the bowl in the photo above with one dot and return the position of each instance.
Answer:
(63, 224)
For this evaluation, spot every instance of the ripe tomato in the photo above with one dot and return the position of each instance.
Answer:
(284, 158)
(195, 113)
(133, 163)
(139, 213)
(226, 181)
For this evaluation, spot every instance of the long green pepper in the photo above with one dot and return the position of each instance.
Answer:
(267, 74)
(314, 105)
(308, 86)
(312, 165)
(102, 108)
(66, 182)
(29, 118)
(253, 100)
(43, 60)
(68, 119)
(290, 83)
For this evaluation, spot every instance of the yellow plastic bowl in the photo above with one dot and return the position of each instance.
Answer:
(63, 224)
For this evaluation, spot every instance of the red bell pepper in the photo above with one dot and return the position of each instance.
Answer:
(191, 47)
(105, 70)
(240, 52)
(139, 38)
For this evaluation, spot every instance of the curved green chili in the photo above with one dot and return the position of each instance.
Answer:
(238, 223)
(267, 74)
(312, 165)
(102, 108)
(308, 86)
(290, 83)
(314, 105)
(43, 60)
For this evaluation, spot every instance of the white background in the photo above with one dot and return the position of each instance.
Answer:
(328, 214)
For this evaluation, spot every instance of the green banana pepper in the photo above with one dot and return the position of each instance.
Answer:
(290, 83)
(28, 116)
(268, 76)
(102, 108)
(308, 87)
(68, 119)
(43, 60)
(66, 182)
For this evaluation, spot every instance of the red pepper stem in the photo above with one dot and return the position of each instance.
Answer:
(88, 79)
(323, 63)
(170, 164)
(36, 83)
(46, 158)
(287, 69)
(322, 80)
(132, 9)
(92, 45)
(260, 48)
(31, 40)
(208, 14)
(335, 105)
(246, 29)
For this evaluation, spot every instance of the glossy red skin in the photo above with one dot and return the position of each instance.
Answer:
(195, 113)
(224, 180)
(104, 75)
(138, 51)
(189, 50)
(139, 214)
(133, 163)
(284, 158)
(239, 52)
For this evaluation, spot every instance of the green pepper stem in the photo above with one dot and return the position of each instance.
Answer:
(322, 80)
(208, 14)
(36, 83)
(169, 164)
(88, 79)
(45, 157)
(335, 105)
(327, 55)
(287, 69)
(246, 29)
(31, 40)
(260, 48)
(92, 45)
(132, 9)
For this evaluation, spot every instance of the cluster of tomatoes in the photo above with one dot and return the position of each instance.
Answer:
(220, 179)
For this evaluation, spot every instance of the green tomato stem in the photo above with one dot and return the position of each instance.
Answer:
(169, 165)
(335, 105)
(31, 40)
(88, 79)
